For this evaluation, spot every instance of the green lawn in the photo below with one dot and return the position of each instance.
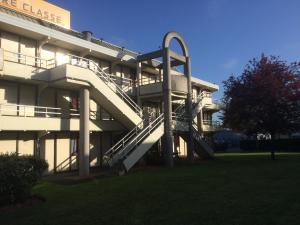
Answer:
(234, 189)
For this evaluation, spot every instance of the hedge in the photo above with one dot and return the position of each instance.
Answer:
(18, 174)
(283, 145)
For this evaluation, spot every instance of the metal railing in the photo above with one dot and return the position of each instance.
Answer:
(122, 84)
(28, 60)
(106, 78)
(181, 109)
(36, 111)
(149, 80)
(126, 84)
(131, 140)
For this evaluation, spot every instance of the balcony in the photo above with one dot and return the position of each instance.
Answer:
(154, 86)
(18, 65)
(28, 67)
(37, 118)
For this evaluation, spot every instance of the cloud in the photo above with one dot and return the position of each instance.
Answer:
(230, 64)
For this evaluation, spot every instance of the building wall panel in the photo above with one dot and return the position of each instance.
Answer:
(63, 152)
(47, 151)
(8, 143)
(8, 95)
(27, 98)
(26, 143)
(28, 48)
(95, 153)
(10, 42)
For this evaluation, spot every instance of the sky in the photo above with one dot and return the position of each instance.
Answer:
(222, 35)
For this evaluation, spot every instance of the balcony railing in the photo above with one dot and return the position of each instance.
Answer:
(10, 56)
(149, 80)
(36, 111)
(127, 84)
(47, 112)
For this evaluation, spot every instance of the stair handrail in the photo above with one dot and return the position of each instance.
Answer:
(198, 100)
(181, 105)
(87, 63)
(121, 143)
(140, 137)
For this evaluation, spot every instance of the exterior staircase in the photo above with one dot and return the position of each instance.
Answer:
(129, 150)
(103, 89)
(146, 132)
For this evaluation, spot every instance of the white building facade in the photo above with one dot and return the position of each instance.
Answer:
(80, 102)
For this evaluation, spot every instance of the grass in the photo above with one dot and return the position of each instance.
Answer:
(234, 189)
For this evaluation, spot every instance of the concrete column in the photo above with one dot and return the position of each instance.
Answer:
(84, 133)
(167, 90)
(190, 141)
(138, 77)
(199, 121)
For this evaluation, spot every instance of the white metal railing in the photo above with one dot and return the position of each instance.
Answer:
(36, 111)
(10, 56)
(28, 111)
(131, 140)
(106, 78)
(196, 101)
(48, 112)
(28, 60)
(126, 84)
(150, 80)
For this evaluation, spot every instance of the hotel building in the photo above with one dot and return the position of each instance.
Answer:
(81, 102)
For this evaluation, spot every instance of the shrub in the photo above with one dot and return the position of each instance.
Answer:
(18, 174)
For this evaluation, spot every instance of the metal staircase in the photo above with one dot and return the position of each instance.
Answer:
(108, 79)
(145, 134)
(130, 149)
(104, 90)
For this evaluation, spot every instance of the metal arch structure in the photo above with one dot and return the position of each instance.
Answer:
(171, 59)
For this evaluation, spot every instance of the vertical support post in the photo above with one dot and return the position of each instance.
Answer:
(200, 120)
(190, 141)
(84, 133)
(167, 90)
(138, 77)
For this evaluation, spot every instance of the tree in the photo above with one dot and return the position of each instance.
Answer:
(265, 98)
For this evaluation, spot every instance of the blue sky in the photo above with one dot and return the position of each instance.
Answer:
(222, 35)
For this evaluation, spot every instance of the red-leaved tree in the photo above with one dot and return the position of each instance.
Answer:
(265, 98)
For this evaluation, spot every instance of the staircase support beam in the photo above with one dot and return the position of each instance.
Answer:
(190, 141)
(167, 97)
